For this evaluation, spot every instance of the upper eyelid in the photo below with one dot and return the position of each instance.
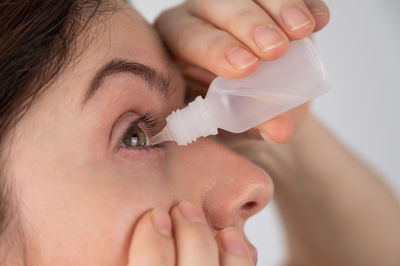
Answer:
(150, 120)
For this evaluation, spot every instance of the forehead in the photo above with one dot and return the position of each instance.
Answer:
(125, 34)
(120, 35)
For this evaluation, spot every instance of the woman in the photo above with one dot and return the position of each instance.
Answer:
(84, 84)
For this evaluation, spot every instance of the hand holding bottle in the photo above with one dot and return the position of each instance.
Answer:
(229, 39)
(238, 105)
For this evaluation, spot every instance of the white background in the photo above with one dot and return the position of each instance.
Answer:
(360, 49)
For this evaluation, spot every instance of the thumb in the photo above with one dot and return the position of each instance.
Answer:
(152, 243)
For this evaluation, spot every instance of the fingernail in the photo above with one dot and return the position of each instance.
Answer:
(191, 212)
(294, 17)
(319, 13)
(232, 242)
(267, 38)
(266, 137)
(240, 58)
(162, 221)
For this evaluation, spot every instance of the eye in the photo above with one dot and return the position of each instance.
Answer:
(134, 137)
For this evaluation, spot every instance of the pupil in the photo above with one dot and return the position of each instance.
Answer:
(135, 137)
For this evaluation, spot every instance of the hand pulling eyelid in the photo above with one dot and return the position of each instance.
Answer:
(237, 105)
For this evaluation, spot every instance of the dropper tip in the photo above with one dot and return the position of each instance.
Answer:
(163, 136)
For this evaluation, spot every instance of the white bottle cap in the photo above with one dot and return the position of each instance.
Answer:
(188, 124)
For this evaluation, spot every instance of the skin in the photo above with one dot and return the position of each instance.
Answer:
(88, 192)
(336, 210)
(208, 30)
(86, 200)
(81, 197)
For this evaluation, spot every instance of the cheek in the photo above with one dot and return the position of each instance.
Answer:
(89, 210)
(124, 199)
(119, 197)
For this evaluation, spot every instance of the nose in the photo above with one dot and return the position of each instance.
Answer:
(243, 189)
(229, 188)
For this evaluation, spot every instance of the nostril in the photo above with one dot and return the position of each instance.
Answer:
(249, 205)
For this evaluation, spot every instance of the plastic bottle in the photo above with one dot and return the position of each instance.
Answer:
(237, 105)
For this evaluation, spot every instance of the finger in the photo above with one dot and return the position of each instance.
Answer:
(200, 43)
(152, 243)
(300, 113)
(320, 11)
(197, 81)
(234, 251)
(278, 129)
(292, 16)
(198, 74)
(247, 21)
(194, 241)
(194, 89)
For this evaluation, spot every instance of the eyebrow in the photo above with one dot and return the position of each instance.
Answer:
(157, 81)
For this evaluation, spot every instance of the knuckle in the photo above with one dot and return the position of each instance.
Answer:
(243, 14)
(189, 33)
(205, 6)
(166, 16)
(215, 46)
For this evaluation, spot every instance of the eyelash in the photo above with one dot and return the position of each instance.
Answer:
(149, 120)
(151, 126)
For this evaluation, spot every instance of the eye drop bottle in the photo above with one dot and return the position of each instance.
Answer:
(237, 105)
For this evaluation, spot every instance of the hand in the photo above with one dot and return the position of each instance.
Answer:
(227, 38)
(189, 243)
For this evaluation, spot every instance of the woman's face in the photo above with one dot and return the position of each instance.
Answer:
(79, 166)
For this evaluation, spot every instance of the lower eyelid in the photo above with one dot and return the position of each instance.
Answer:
(142, 153)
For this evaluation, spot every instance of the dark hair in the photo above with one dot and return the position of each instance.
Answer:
(37, 39)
